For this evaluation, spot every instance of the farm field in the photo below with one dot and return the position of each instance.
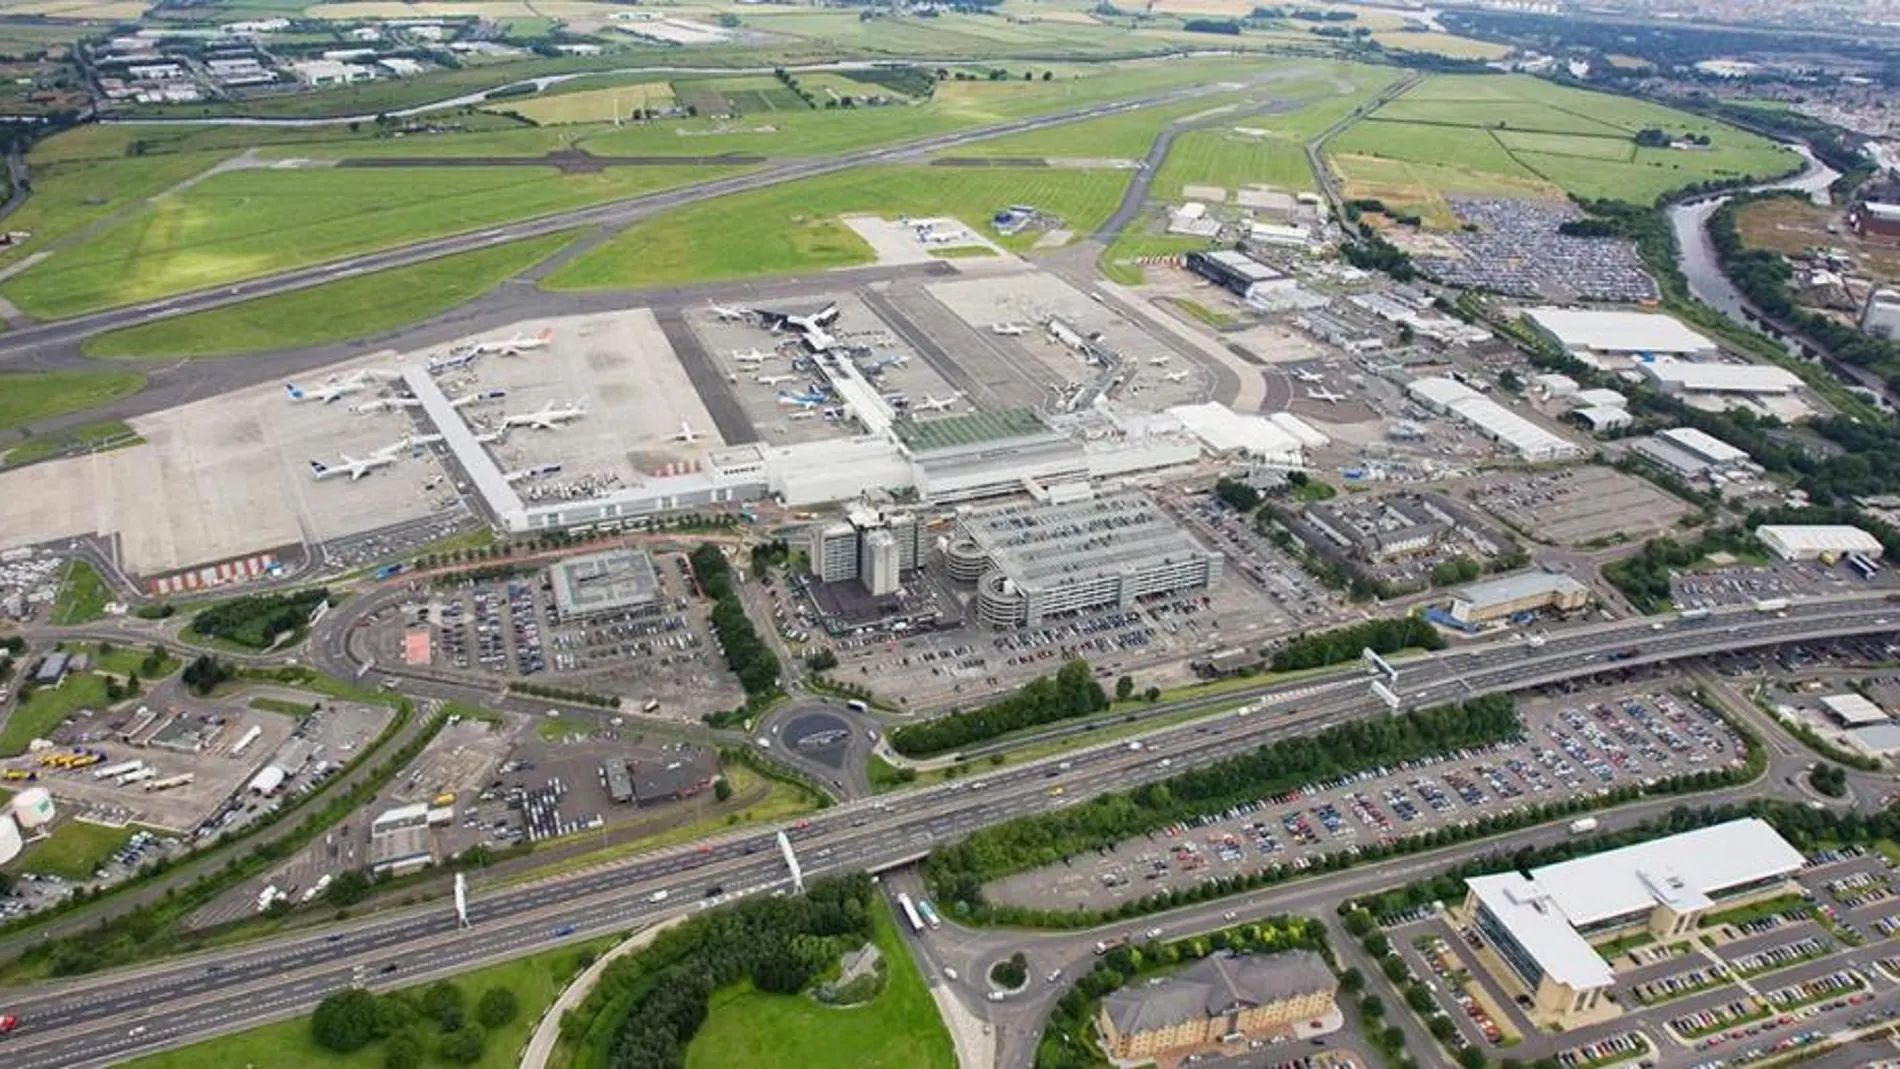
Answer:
(1421, 187)
(590, 105)
(29, 396)
(242, 224)
(378, 302)
(793, 227)
(1466, 148)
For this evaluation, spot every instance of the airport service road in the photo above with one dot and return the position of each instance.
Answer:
(91, 1020)
(21, 345)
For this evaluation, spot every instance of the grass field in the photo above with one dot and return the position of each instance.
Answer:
(1440, 44)
(82, 595)
(1616, 149)
(104, 435)
(1232, 160)
(242, 224)
(118, 141)
(1421, 187)
(29, 396)
(1528, 115)
(74, 851)
(70, 196)
(899, 1029)
(1466, 148)
(536, 982)
(591, 105)
(1118, 259)
(48, 707)
(377, 302)
(793, 227)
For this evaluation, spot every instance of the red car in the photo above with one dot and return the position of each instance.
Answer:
(8, 1023)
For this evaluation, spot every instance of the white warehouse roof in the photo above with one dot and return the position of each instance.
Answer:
(1720, 378)
(1602, 397)
(1707, 446)
(1223, 430)
(1854, 710)
(1507, 589)
(1812, 540)
(1531, 441)
(1619, 332)
(1679, 871)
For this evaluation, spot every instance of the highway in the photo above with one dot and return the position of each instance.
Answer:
(102, 1019)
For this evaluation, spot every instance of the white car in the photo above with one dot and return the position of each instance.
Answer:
(949, 973)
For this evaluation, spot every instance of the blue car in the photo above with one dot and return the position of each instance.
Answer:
(563, 930)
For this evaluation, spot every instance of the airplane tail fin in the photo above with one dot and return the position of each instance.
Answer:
(317, 468)
(295, 393)
(547, 334)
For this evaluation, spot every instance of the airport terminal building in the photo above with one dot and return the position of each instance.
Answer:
(1538, 930)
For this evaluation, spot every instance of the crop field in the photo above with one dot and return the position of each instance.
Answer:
(1464, 148)
(29, 396)
(1617, 149)
(591, 105)
(793, 227)
(377, 302)
(242, 224)
(1495, 115)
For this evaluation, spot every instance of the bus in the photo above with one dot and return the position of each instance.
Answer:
(910, 913)
(929, 913)
(1860, 563)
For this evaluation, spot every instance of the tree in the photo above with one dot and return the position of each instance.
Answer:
(722, 790)
(345, 1021)
(403, 1051)
(347, 888)
(444, 1001)
(1124, 688)
(1352, 981)
(821, 660)
(1238, 495)
(497, 1007)
(465, 1045)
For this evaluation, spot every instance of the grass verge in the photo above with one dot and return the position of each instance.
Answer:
(29, 396)
(82, 595)
(74, 850)
(92, 437)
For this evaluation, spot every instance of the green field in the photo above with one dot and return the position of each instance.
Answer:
(1528, 115)
(1466, 148)
(792, 227)
(377, 302)
(82, 595)
(242, 224)
(590, 105)
(536, 981)
(29, 396)
(899, 1029)
(73, 195)
(74, 850)
(1231, 160)
(104, 435)
(1617, 148)
(49, 707)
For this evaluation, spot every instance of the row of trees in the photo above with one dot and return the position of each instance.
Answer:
(746, 653)
(256, 620)
(957, 872)
(565, 694)
(1344, 644)
(412, 1023)
(203, 675)
(1071, 692)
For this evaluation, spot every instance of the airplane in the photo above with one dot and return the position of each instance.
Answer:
(1011, 330)
(386, 404)
(1159, 361)
(754, 356)
(1308, 376)
(412, 441)
(1327, 396)
(686, 433)
(549, 416)
(516, 345)
(727, 315)
(479, 395)
(932, 404)
(458, 358)
(328, 392)
(1176, 376)
(532, 473)
(882, 362)
(499, 434)
(802, 400)
(774, 380)
(351, 466)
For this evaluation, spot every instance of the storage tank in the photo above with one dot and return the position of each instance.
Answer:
(33, 808)
(10, 844)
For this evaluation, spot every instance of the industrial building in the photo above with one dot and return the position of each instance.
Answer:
(1817, 541)
(401, 840)
(1232, 270)
(1278, 440)
(599, 584)
(1037, 560)
(1877, 219)
(1499, 599)
(1537, 929)
(1222, 996)
(1681, 376)
(1691, 453)
(1853, 711)
(875, 546)
(1493, 420)
(1593, 334)
(1881, 314)
(1380, 530)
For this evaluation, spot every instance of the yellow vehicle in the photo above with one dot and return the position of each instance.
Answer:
(445, 798)
(1055, 792)
(14, 773)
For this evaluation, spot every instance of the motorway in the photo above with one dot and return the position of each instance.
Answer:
(103, 1019)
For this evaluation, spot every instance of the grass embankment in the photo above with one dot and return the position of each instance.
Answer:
(104, 436)
(29, 396)
(47, 707)
(536, 981)
(74, 850)
(376, 303)
(899, 1029)
(82, 595)
(794, 227)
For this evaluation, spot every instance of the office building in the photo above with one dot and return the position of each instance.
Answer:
(1221, 996)
(600, 584)
(1233, 271)
(1537, 930)
(1817, 541)
(870, 543)
(1499, 599)
(1032, 561)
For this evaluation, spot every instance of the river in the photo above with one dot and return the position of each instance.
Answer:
(1695, 253)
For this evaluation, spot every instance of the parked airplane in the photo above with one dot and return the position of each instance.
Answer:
(549, 416)
(499, 434)
(727, 315)
(1011, 330)
(516, 345)
(458, 358)
(754, 356)
(686, 433)
(532, 473)
(932, 404)
(1176, 376)
(801, 400)
(774, 380)
(479, 395)
(882, 362)
(1325, 395)
(412, 441)
(1159, 361)
(351, 466)
(1308, 376)
(385, 404)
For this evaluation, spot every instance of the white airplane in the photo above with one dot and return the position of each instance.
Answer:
(932, 404)
(386, 404)
(499, 434)
(1011, 330)
(686, 433)
(727, 315)
(1327, 396)
(532, 473)
(480, 395)
(351, 466)
(457, 358)
(1308, 376)
(516, 345)
(774, 380)
(412, 441)
(329, 391)
(1159, 361)
(754, 356)
(799, 400)
(549, 416)
(1176, 376)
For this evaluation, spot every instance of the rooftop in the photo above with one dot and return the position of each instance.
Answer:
(1038, 546)
(1243, 265)
(1619, 332)
(1213, 986)
(604, 582)
(968, 429)
(1707, 446)
(1854, 709)
(1721, 378)
(1517, 587)
(1819, 537)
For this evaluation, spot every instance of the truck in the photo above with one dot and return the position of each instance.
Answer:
(8, 1023)
(1687, 615)
(1103, 946)
(386, 571)
(1583, 826)
(929, 913)
(910, 913)
(1771, 605)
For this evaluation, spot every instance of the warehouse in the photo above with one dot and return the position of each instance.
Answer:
(1499, 599)
(1853, 711)
(1276, 441)
(598, 584)
(1537, 930)
(1680, 376)
(1234, 271)
(1494, 421)
(400, 840)
(1817, 541)
(1033, 561)
(1592, 334)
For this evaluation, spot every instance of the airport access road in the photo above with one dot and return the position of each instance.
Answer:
(92, 1021)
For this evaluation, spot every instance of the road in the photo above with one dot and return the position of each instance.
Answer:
(91, 1021)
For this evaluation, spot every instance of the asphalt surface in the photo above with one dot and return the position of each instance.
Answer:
(92, 1021)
